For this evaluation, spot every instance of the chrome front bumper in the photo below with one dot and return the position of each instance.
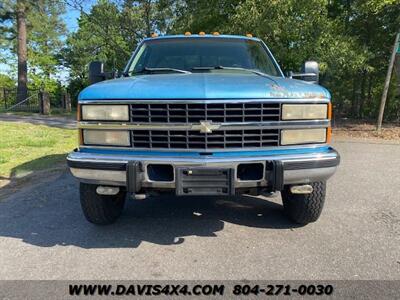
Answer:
(111, 169)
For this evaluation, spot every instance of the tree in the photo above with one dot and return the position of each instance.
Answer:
(208, 16)
(110, 32)
(351, 39)
(6, 82)
(31, 30)
(371, 25)
(13, 17)
(46, 36)
(22, 89)
(102, 35)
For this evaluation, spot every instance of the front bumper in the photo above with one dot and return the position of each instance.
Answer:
(130, 170)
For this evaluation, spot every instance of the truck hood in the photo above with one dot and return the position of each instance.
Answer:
(203, 86)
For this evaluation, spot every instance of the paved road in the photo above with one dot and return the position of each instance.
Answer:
(37, 119)
(43, 234)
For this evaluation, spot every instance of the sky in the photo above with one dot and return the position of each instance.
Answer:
(71, 16)
(71, 19)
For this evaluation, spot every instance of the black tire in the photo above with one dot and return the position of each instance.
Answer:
(100, 209)
(304, 208)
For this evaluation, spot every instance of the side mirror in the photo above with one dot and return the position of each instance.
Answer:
(96, 72)
(309, 72)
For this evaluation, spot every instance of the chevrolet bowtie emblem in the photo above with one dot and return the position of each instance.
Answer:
(206, 127)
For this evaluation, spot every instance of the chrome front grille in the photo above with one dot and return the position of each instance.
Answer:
(196, 112)
(193, 139)
(193, 125)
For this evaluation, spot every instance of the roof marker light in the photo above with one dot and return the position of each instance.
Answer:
(153, 35)
(188, 33)
(249, 35)
(216, 33)
(202, 33)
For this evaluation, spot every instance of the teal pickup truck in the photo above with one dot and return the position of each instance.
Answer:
(203, 115)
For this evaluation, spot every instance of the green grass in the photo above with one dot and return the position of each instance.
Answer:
(25, 148)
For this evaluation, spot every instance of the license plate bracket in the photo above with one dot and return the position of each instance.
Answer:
(196, 181)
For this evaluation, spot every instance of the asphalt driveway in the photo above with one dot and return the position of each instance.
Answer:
(68, 122)
(43, 234)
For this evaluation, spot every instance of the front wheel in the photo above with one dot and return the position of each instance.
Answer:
(100, 209)
(304, 208)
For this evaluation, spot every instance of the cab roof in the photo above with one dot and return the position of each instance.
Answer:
(240, 37)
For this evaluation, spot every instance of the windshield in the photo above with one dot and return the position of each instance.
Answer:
(192, 54)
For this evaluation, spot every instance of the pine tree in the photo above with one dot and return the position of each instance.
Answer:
(31, 31)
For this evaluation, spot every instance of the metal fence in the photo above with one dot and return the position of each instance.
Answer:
(8, 101)
(33, 103)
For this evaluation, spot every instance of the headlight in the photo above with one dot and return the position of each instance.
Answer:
(105, 112)
(304, 111)
(106, 137)
(303, 136)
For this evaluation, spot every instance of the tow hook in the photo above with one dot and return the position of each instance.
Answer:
(301, 189)
(107, 190)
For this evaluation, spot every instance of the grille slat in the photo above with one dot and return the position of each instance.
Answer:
(216, 112)
(196, 112)
(220, 139)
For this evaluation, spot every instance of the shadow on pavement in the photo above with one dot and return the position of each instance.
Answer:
(49, 214)
(21, 175)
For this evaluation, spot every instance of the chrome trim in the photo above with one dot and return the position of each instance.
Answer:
(307, 175)
(202, 101)
(206, 126)
(289, 124)
(104, 176)
(238, 150)
(113, 158)
(290, 176)
(189, 126)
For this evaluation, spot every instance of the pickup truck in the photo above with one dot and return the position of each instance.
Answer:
(203, 115)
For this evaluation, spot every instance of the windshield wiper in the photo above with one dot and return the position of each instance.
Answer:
(205, 68)
(150, 70)
(234, 68)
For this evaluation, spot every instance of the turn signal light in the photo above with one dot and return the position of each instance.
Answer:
(328, 135)
(329, 129)
(78, 118)
(330, 111)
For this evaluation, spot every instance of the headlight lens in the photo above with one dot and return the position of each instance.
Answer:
(303, 136)
(105, 112)
(106, 137)
(304, 111)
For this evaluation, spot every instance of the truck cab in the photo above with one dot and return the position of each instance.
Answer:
(203, 115)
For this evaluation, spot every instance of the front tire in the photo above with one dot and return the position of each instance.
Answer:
(100, 209)
(304, 208)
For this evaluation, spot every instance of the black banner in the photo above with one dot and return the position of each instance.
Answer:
(244, 289)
